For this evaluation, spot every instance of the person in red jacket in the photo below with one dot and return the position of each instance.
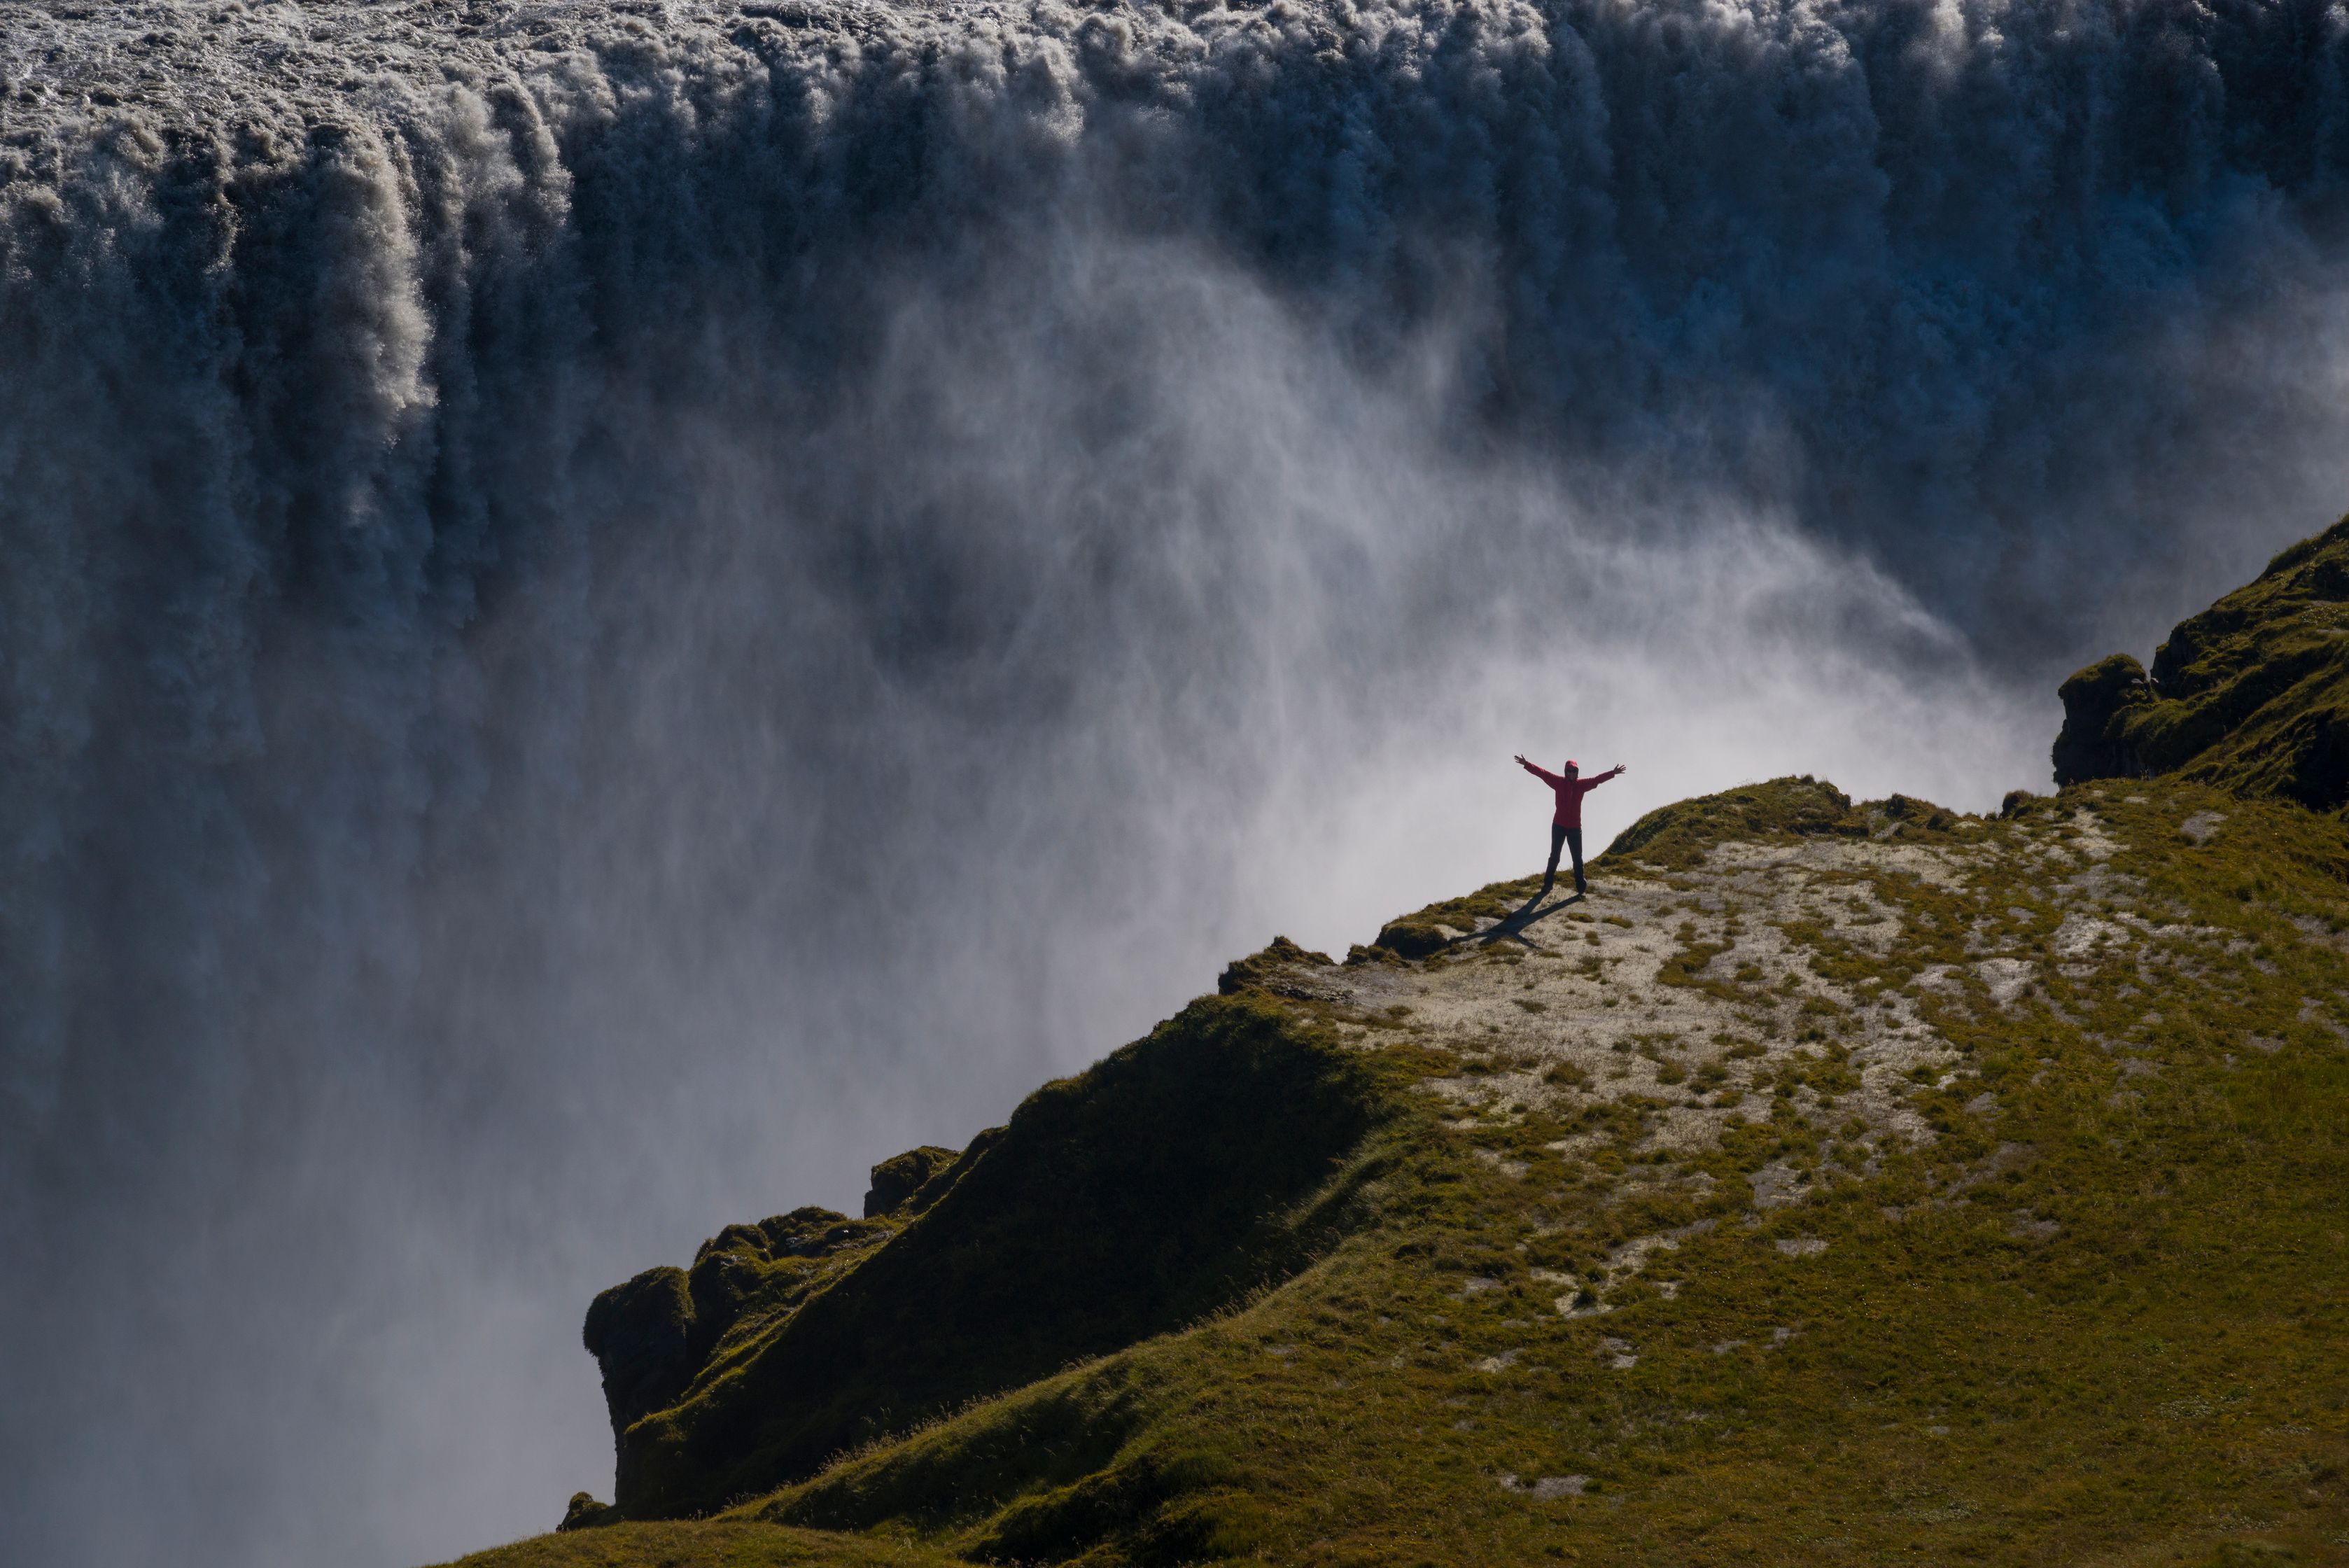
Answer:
(1566, 823)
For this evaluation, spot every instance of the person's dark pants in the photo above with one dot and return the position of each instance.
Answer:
(1571, 838)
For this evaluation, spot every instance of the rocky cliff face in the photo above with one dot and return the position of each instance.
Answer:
(1158, 1187)
(1840, 1180)
(2252, 695)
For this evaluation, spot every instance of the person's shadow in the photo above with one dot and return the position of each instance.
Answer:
(1522, 917)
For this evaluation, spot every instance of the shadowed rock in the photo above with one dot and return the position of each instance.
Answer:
(902, 1178)
(2098, 704)
(2252, 695)
(1162, 1184)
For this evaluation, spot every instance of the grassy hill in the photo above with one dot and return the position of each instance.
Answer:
(1840, 1183)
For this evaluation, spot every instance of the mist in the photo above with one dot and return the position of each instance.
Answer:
(614, 612)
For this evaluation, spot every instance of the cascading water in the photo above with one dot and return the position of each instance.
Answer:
(610, 611)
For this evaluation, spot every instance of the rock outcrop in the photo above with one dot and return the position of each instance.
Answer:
(1159, 1186)
(2098, 703)
(2252, 695)
(909, 1181)
(653, 1335)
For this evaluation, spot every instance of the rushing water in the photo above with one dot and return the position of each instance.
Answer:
(611, 611)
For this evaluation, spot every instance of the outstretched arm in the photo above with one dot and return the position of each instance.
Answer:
(1542, 773)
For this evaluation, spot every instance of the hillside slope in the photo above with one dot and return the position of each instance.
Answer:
(1838, 1183)
(1178, 1174)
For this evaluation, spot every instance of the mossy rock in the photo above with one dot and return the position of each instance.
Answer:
(641, 1335)
(1270, 969)
(585, 1513)
(1428, 931)
(1413, 939)
(909, 1181)
(1906, 817)
(1678, 835)
(2095, 743)
(2252, 695)
(1159, 1186)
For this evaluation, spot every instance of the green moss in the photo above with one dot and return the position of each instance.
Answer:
(1151, 1190)
(585, 1513)
(642, 1336)
(1676, 838)
(1416, 936)
(1687, 965)
(910, 1181)
(2252, 695)
(1272, 968)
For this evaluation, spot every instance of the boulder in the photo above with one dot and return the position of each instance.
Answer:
(2251, 695)
(899, 1179)
(2098, 703)
(641, 1335)
(587, 1513)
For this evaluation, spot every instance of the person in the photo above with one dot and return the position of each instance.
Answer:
(1566, 823)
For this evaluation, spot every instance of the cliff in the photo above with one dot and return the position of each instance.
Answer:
(1185, 1171)
(1842, 1182)
(2252, 695)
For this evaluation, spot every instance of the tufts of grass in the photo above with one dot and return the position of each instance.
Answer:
(1416, 936)
(1676, 838)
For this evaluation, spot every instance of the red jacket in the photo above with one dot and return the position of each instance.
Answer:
(1570, 793)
